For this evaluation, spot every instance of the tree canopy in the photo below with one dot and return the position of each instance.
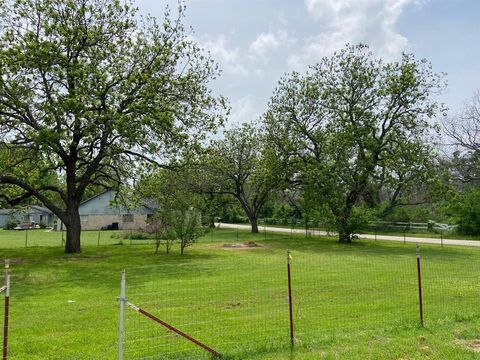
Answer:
(242, 166)
(354, 124)
(90, 90)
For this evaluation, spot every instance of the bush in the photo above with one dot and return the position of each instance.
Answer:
(418, 213)
(11, 224)
(132, 234)
(465, 211)
(42, 225)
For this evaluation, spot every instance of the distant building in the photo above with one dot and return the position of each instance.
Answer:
(28, 215)
(100, 212)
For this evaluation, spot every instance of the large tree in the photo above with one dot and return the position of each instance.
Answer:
(353, 124)
(463, 132)
(242, 166)
(90, 89)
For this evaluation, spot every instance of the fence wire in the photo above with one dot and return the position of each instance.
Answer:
(237, 303)
(237, 307)
(242, 307)
(66, 315)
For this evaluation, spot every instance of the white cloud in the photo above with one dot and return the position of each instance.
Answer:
(353, 21)
(228, 58)
(243, 110)
(266, 42)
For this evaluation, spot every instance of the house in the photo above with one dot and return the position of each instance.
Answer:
(100, 212)
(27, 215)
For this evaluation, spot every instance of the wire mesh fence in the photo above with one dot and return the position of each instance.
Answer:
(339, 293)
(236, 303)
(244, 307)
(237, 307)
(36, 238)
(62, 313)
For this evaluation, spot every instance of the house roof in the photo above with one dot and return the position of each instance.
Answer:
(41, 208)
(95, 196)
(28, 209)
(149, 205)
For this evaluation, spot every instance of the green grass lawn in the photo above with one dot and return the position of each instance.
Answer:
(355, 301)
(393, 231)
(45, 237)
(436, 234)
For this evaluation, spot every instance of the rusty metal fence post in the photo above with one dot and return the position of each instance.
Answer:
(419, 275)
(122, 298)
(6, 288)
(290, 306)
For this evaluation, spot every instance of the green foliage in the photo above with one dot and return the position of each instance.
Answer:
(11, 224)
(232, 213)
(355, 129)
(419, 213)
(32, 168)
(242, 166)
(42, 225)
(90, 92)
(465, 211)
(178, 217)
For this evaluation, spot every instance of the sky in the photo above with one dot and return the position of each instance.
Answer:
(256, 42)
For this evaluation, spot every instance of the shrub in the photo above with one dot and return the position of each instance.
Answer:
(11, 224)
(42, 225)
(465, 210)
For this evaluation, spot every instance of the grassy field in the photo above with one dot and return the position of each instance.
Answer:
(350, 302)
(436, 234)
(45, 237)
(393, 231)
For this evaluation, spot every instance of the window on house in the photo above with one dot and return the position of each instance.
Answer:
(127, 218)
(83, 219)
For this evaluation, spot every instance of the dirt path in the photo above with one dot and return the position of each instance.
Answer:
(421, 240)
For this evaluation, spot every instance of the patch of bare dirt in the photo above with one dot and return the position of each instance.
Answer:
(473, 345)
(245, 245)
(16, 261)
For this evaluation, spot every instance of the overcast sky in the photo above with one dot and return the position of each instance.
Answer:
(258, 41)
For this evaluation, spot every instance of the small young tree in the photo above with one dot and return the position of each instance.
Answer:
(161, 232)
(178, 217)
(185, 224)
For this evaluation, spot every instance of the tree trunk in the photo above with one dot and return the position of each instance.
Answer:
(344, 229)
(344, 236)
(72, 245)
(254, 223)
(167, 246)
(251, 214)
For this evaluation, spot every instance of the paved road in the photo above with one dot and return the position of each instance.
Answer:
(361, 236)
